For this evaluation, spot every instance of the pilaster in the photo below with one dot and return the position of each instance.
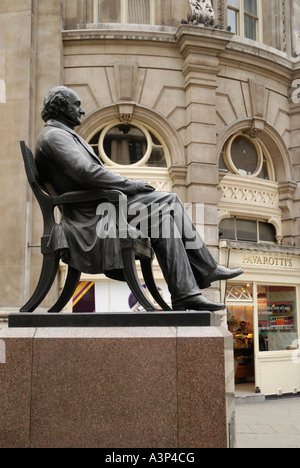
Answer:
(200, 48)
(295, 145)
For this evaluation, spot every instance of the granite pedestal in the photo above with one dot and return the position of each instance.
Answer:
(116, 387)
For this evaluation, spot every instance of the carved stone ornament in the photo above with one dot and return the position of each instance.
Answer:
(201, 11)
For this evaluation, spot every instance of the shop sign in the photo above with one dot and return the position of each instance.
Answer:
(283, 262)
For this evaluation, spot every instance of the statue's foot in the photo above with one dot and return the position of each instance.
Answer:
(219, 274)
(197, 303)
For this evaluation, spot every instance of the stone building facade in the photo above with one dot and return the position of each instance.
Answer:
(214, 112)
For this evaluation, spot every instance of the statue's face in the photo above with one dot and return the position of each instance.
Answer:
(73, 111)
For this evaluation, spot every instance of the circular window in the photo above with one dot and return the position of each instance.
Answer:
(244, 155)
(131, 144)
(125, 145)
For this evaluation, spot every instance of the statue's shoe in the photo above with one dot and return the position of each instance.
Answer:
(219, 274)
(197, 303)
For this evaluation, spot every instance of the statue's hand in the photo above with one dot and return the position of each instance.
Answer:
(145, 187)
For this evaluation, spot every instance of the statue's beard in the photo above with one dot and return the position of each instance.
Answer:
(69, 117)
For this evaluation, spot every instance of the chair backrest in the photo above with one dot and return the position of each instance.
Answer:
(42, 197)
(30, 166)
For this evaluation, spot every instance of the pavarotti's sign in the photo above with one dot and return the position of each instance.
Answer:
(282, 262)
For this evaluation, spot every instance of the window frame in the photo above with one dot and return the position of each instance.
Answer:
(284, 328)
(151, 145)
(124, 13)
(263, 155)
(241, 13)
(257, 221)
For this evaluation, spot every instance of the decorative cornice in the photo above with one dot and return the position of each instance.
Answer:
(210, 41)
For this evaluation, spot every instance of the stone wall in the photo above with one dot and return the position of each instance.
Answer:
(194, 85)
(16, 117)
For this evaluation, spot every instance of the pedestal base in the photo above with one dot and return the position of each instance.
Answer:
(133, 387)
(124, 319)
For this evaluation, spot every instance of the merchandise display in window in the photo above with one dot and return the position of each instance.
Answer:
(240, 324)
(277, 323)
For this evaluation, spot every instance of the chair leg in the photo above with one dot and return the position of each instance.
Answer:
(133, 280)
(47, 277)
(71, 283)
(146, 265)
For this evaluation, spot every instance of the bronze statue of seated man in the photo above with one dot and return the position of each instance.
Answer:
(66, 163)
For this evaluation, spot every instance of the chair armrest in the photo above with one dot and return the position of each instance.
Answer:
(114, 197)
(111, 196)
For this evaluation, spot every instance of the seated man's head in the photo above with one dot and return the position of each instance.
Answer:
(63, 104)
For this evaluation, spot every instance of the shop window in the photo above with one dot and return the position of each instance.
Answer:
(246, 156)
(277, 318)
(244, 17)
(124, 11)
(134, 145)
(246, 230)
(239, 293)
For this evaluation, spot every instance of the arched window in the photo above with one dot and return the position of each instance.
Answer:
(247, 156)
(134, 150)
(249, 208)
(124, 11)
(119, 144)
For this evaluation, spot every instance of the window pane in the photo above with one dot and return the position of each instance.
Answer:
(246, 230)
(109, 11)
(222, 164)
(233, 3)
(139, 11)
(157, 158)
(233, 21)
(239, 293)
(250, 27)
(250, 6)
(125, 144)
(267, 232)
(277, 312)
(244, 155)
(264, 173)
(227, 229)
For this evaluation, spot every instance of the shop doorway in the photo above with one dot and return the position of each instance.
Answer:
(240, 318)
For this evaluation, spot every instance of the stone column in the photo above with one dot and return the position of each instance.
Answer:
(200, 48)
(17, 23)
(294, 147)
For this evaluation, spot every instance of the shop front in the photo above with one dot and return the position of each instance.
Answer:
(263, 315)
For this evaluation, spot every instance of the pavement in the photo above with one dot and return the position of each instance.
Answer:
(271, 424)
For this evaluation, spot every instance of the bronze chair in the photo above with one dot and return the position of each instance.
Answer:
(132, 249)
